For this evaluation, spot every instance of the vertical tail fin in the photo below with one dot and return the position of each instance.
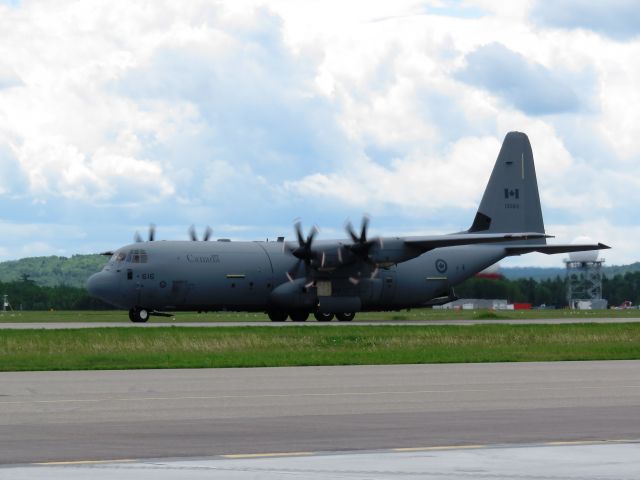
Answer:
(511, 202)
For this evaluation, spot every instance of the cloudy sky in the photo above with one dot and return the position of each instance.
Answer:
(245, 115)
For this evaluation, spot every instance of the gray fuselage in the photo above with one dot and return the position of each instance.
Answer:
(251, 276)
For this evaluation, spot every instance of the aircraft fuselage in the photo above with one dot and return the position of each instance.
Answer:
(252, 276)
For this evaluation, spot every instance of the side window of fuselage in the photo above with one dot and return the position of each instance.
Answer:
(137, 256)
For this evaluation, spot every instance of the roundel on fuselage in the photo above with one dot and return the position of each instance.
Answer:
(441, 265)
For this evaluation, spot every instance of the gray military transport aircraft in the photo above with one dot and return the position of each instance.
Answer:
(333, 277)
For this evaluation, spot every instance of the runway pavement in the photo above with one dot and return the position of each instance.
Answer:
(152, 324)
(573, 461)
(111, 415)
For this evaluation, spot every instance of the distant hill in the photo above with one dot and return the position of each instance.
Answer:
(538, 273)
(53, 271)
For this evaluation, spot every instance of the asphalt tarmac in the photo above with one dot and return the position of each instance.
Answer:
(82, 416)
(567, 461)
(152, 324)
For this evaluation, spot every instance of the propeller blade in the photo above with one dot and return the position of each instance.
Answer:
(374, 274)
(340, 254)
(298, 228)
(364, 228)
(354, 280)
(324, 258)
(311, 236)
(310, 284)
(192, 234)
(292, 274)
(137, 237)
(349, 228)
(152, 232)
(207, 234)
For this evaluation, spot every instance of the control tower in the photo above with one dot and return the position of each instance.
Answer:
(5, 303)
(584, 281)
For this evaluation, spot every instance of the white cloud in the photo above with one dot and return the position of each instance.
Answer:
(618, 19)
(417, 183)
(621, 238)
(253, 112)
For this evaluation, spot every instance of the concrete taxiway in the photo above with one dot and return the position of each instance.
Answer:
(579, 461)
(116, 415)
(152, 324)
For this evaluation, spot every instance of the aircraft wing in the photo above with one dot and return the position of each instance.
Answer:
(551, 249)
(430, 242)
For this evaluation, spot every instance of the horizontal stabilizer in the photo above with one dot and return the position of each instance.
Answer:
(430, 242)
(551, 249)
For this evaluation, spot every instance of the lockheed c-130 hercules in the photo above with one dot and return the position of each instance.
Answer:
(330, 278)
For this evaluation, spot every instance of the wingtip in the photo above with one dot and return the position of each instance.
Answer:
(603, 246)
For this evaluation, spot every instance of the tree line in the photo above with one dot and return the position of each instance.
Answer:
(552, 291)
(27, 295)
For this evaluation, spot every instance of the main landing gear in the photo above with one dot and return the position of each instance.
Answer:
(323, 317)
(303, 315)
(345, 317)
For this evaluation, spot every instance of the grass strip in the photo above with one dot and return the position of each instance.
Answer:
(418, 314)
(196, 347)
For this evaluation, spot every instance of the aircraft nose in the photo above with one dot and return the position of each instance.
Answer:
(99, 286)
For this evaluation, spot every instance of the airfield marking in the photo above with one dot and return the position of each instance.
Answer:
(439, 447)
(268, 455)
(86, 462)
(240, 456)
(319, 394)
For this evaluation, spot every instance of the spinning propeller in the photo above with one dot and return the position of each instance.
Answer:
(152, 234)
(362, 246)
(194, 236)
(302, 252)
(359, 250)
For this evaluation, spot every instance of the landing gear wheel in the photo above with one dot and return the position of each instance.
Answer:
(323, 317)
(277, 316)
(139, 315)
(345, 317)
(299, 316)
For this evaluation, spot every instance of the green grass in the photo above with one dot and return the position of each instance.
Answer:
(200, 347)
(421, 314)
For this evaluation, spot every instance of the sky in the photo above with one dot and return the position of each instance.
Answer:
(246, 115)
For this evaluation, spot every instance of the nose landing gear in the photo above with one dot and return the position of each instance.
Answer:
(138, 315)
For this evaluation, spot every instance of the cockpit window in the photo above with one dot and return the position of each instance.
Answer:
(137, 256)
(117, 257)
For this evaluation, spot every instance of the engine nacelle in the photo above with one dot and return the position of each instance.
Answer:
(294, 295)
